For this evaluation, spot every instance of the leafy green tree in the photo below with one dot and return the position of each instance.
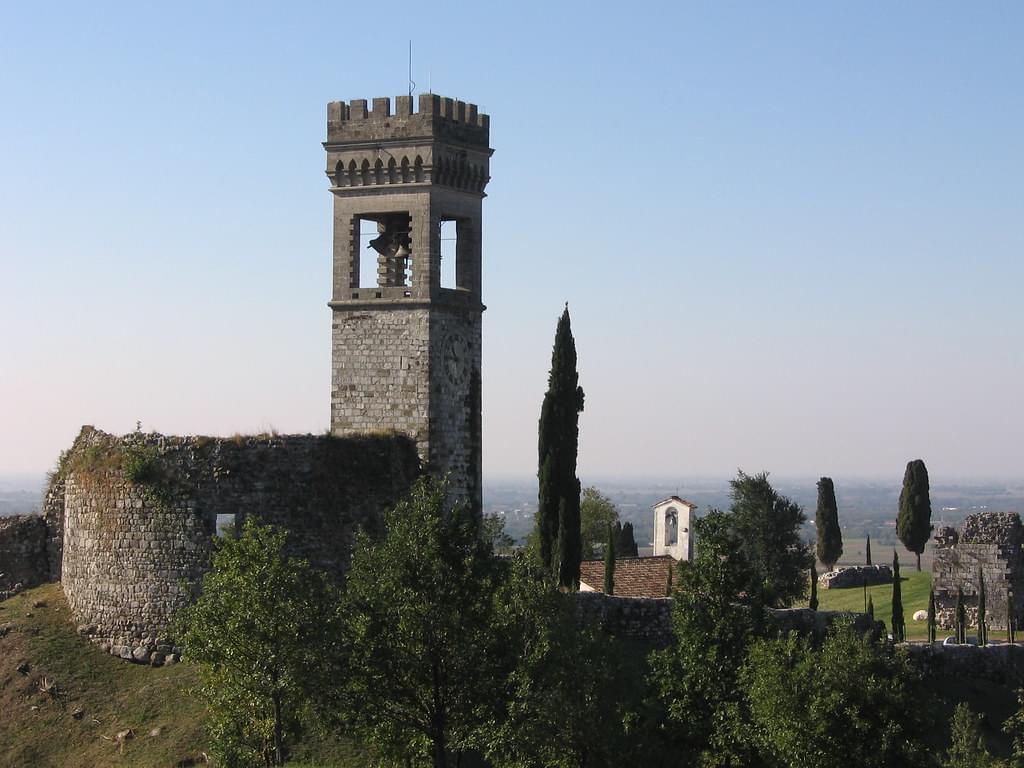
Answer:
(264, 633)
(982, 627)
(767, 527)
(609, 563)
(714, 618)
(813, 603)
(913, 524)
(853, 702)
(931, 614)
(597, 512)
(826, 523)
(867, 549)
(625, 542)
(417, 615)
(492, 529)
(558, 508)
(967, 747)
(899, 624)
(559, 698)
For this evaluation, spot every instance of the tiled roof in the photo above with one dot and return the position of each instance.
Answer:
(634, 576)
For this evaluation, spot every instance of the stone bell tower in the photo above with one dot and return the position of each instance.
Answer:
(408, 189)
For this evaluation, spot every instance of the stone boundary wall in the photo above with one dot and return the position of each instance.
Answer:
(650, 618)
(1001, 663)
(639, 618)
(991, 542)
(22, 553)
(140, 515)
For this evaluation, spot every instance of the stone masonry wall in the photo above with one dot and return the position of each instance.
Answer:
(650, 618)
(22, 553)
(140, 514)
(991, 542)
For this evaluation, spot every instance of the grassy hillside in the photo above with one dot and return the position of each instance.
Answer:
(98, 696)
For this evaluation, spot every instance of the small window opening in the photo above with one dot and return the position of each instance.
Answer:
(227, 526)
(671, 527)
(449, 253)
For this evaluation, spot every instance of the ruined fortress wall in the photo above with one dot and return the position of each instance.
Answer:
(140, 514)
(991, 542)
(22, 552)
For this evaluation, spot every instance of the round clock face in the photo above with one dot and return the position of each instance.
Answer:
(455, 358)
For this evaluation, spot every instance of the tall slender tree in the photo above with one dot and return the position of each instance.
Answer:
(1010, 620)
(931, 615)
(867, 550)
(899, 626)
(960, 617)
(558, 508)
(982, 624)
(871, 607)
(626, 542)
(813, 603)
(826, 522)
(609, 563)
(914, 522)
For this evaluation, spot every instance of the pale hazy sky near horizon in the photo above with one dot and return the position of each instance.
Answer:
(790, 234)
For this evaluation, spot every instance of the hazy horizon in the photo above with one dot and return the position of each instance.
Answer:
(790, 238)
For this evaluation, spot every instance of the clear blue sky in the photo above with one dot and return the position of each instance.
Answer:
(791, 234)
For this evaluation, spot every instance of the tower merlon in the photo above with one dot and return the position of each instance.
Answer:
(435, 117)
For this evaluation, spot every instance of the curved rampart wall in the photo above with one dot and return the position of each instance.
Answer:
(140, 515)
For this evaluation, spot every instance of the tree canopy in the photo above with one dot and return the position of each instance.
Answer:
(597, 513)
(558, 508)
(417, 615)
(767, 527)
(264, 633)
(851, 702)
(914, 521)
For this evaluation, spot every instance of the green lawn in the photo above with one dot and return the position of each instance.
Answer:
(914, 587)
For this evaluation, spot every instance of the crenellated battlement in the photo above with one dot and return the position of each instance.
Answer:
(437, 117)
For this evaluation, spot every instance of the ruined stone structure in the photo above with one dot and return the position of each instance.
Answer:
(991, 542)
(856, 576)
(406, 348)
(23, 561)
(140, 514)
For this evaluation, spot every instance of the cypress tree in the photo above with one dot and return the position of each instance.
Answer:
(931, 615)
(871, 608)
(899, 626)
(609, 563)
(913, 524)
(668, 584)
(1009, 616)
(867, 550)
(626, 544)
(558, 507)
(982, 629)
(960, 617)
(813, 603)
(826, 523)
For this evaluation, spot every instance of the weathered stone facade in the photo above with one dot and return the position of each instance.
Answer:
(23, 561)
(140, 516)
(406, 350)
(991, 542)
